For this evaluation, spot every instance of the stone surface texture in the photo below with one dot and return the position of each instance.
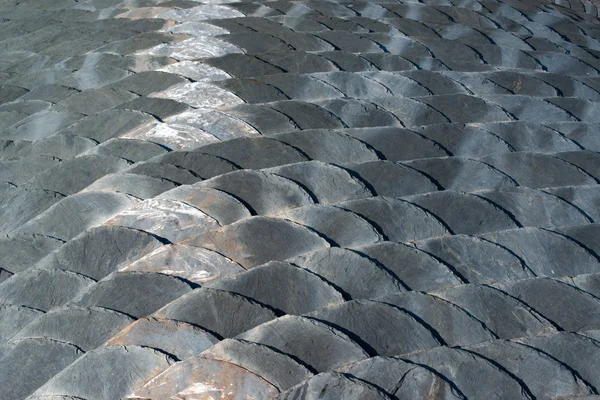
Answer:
(299, 199)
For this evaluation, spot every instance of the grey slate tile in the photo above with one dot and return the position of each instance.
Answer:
(316, 344)
(209, 309)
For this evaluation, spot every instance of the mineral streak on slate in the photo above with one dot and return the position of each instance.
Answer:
(299, 199)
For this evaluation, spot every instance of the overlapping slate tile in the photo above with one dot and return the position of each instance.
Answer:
(86, 328)
(119, 246)
(290, 285)
(457, 366)
(133, 293)
(530, 292)
(188, 378)
(307, 340)
(342, 267)
(386, 373)
(393, 133)
(278, 369)
(177, 338)
(37, 370)
(43, 289)
(81, 210)
(117, 361)
(214, 310)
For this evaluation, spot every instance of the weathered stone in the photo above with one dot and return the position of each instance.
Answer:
(252, 90)
(340, 227)
(61, 146)
(169, 219)
(397, 144)
(473, 376)
(504, 315)
(411, 112)
(176, 338)
(216, 311)
(254, 152)
(140, 186)
(11, 93)
(331, 146)
(575, 351)
(223, 207)
(585, 235)
(265, 120)
(298, 62)
(93, 101)
(386, 373)
(263, 193)
(380, 328)
(42, 125)
(197, 71)
(134, 294)
(180, 175)
(355, 275)
(52, 93)
(86, 328)
(203, 165)
(42, 289)
(413, 267)
(108, 124)
(460, 174)
(19, 205)
(451, 324)
(539, 170)
(462, 140)
(129, 149)
(282, 286)
(20, 170)
(584, 198)
(81, 211)
(73, 175)
(546, 253)
(394, 180)
(124, 368)
(15, 318)
(100, 251)
(306, 116)
(534, 369)
(191, 263)
(580, 132)
(318, 345)
(300, 87)
(258, 240)
(360, 114)
(144, 83)
(331, 385)
(328, 183)
(526, 136)
(197, 376)
(276, 368)
(535, 208)
(45, 358)
(242, 65)
(579, 310)
(158, 108)
(464, 213)
(477, 260)
(397, 220)
(21, 251)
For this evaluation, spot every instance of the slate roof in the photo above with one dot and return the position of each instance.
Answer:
(299, 199)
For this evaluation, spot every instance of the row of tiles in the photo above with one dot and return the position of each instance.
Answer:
(347, 333)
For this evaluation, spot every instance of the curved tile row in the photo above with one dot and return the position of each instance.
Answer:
(271, 237)
(348, 326)
(369, 84)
